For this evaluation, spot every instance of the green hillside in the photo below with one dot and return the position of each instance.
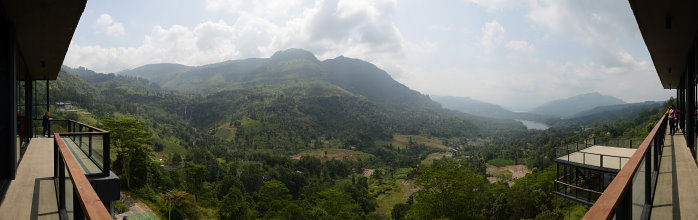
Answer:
(566, 108)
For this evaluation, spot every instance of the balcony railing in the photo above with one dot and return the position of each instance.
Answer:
(630, 194)
(585, 168)
(82, 151)
(574, 152)
(89, 144)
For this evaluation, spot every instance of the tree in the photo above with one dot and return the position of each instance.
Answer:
(448, 189)
(399, 211)
(195, 174)
(337, 204)
(183, 207)
(132, 144)
(234, 205)
(273, 196)
(251, 177)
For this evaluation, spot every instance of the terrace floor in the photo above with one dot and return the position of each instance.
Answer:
(601, 156)
(32, 195)
(676, 196)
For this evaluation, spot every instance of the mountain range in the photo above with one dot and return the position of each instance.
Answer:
(287, 66)
(290, 98)
(591, 108)
(569, 107)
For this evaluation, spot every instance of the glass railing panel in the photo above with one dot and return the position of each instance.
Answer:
(97, 142)
(69, 195)
(638, 191)
(71, 203)
(88, 165)
(86, 144)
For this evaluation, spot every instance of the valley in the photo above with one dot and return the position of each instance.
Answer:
(266, 138)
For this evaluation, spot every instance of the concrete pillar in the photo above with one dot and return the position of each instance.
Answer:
(8, 118)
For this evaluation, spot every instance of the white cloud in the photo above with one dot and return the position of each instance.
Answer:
(517, 70)
(229, 6)
(520, 46)
(106, 24)
(492, 36)
(497, 5)
(329, 28)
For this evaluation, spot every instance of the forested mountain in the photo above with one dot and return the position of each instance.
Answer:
(472, 106)
(566, 108)
(484, 109)
(288, 66)
(291, 100)
(629, 108)
(608, 114)
(366, 79)
(157, 73)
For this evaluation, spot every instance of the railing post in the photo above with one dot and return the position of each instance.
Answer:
(106, 153)
(648, 177)
(625, 209)
(61, 183)
(77, 207)
(656, 153)
(55, 159)
(89, 146)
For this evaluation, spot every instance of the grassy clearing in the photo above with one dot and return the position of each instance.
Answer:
(325, 154)
(503, 175)
(401, 140)
(500, 162)
(401, 173)
(435, 156)
(478, 142)
(400, 191)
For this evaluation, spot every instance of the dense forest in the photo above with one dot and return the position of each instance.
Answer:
(291, 137)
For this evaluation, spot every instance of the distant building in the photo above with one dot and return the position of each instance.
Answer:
(62, 106)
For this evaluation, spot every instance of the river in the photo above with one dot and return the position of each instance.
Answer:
(534, 125)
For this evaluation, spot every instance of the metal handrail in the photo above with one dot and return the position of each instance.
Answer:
(97, 130)
(577, 187)
(617, 193)
(91, 206)
(104, 164)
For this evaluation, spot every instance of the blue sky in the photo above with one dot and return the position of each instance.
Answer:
(516, 53)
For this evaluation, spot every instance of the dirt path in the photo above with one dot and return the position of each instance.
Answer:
(368, 172)
(517, 171)
(410, 188)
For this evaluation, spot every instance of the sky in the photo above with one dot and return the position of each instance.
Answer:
(515, 53)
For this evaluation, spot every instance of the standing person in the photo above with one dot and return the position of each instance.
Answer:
(672, 122)
(677, 112)
(44, 122)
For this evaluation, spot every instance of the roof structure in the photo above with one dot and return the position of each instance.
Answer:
(669, 30)
(43, 29)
